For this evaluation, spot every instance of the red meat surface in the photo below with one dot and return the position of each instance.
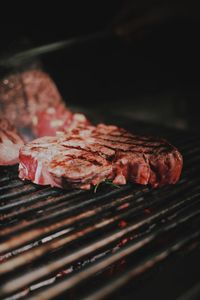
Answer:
(10, 143)
(88, 155)
(33, 105)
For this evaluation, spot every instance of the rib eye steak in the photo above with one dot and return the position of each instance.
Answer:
(88, 155)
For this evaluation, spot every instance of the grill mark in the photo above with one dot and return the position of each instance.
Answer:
(93, 161)
(136, 137)
(82, 179)
(99, 153)
(142, 138)
(141, 153)
(102, 151)
(126, 135)
(155, 171)
(167, 150)
(114, 147)
(131, 136)
(133, 143)
(163, 148)
(117, 150)
(81, 155)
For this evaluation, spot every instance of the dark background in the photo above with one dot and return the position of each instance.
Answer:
(145, 68)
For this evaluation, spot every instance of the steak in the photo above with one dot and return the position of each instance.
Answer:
(53, 119)
(10, 143)
(23, 95)
(88, 155)
(33, 104)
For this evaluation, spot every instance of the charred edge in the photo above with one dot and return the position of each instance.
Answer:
(162, 150)
(132, 136)
(93, 161)
(98, 153)
(130, 142)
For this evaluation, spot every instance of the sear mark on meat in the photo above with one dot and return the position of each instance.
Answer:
(87, 155)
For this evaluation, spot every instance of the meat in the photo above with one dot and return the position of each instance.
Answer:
(24, 95)
(33, 104)
(10, 143)
(54, 119)
(88, 155)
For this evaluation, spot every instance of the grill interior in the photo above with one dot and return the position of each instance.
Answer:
(119, 243)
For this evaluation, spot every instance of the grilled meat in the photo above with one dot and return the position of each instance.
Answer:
(24, 95)
(10, 143)
(33, 104)
(88, 155)
(53, 119)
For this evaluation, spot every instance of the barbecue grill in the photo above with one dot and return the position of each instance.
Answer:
(128, 242)
(131, 242)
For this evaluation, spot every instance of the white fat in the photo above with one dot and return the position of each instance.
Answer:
(38, 172)
(124, 161)
(57, 123)
(35, 120)
(9, 153)
(79, 117)
(23, 167)
(51, 110)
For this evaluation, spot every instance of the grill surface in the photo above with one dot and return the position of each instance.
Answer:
(118, 243)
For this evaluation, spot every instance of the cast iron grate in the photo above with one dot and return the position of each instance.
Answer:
(113, 243)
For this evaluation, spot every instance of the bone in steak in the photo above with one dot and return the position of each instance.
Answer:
(89, 155)
(10, 143)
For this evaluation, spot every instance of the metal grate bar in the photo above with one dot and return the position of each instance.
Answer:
(71, 282)
(130, 199)
(33, 198)
(44, 271)
(192, 294)
(24, 204)
(45, 230)
(13, 184)
(16, 192)
(143, 266)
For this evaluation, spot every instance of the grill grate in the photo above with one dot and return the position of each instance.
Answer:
(86, 245)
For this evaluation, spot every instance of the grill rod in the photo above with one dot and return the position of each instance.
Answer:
(40, 272)
(74, 280)
(192, 170)
(50, 229)
(144, 265)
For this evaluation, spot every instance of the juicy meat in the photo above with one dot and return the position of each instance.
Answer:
(10, 143)
(23, 95)
(33, 104)
(88, 155)
(54, 119)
